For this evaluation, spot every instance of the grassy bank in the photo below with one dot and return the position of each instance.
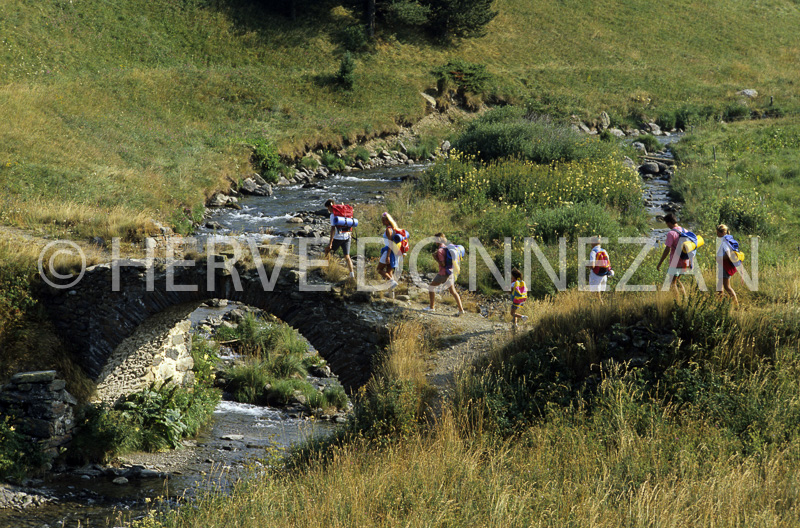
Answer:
(117, 112)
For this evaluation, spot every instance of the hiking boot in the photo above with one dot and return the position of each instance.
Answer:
(393, 284)
(459, 314)
(428, 309)
(352, 275)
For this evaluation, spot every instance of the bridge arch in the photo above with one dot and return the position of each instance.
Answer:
(94, 318)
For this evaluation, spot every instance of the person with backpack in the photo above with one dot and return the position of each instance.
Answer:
(680, 262)
(341, 230)
(519, 294)
(395, 247)
(599, 266)
(448, 256)
(731, 258)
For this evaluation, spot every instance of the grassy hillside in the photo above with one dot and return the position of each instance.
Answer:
(115, 111)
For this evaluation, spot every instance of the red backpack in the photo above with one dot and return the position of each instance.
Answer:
(602, 263)
(345, 211)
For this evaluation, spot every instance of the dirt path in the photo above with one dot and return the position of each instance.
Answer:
(461, 340)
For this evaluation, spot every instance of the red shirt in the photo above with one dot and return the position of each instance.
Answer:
(672, 243)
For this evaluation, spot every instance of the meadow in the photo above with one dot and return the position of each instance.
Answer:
(120, 112)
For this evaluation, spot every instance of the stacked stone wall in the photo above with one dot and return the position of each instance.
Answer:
(41, 408)
(158, 351)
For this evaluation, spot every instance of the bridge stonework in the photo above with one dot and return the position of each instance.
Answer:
(94, 320)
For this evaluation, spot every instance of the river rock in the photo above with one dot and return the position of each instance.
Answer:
(218, 200)
(249, 186)
(616, 132)
(648, 167)
(638, 145)
(120, 481)
(445, 146)
(748, 92)
(605, 120)
(233, 437)
(295, 220)
(320, 371)
(654, 129)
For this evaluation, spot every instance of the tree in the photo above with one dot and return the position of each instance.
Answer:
(460, 18)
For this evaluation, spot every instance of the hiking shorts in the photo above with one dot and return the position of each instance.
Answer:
(344, 244)
(442, 282)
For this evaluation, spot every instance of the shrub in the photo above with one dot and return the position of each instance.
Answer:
(18, 455)
(307, 162)
(650, 143)
(266, 159)
(746, 214)
(346, 77)
(466, 77)
(354, 38)
(735, 112)
(332, 161)
(517, 184)
(206, 356)
(409, 13)
(427, 145)
(573, 221)
(390, 410)
(361, 153)
(336, 396)
(507, 133)
(150, 420)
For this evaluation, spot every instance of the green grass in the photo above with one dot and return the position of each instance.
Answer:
(147, 106)
(753, 184)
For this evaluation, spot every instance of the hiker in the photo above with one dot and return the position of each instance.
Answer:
(599, 268)
(340, 234)
(519, 294)
(731, 258)
(677, 265)
(396, 245)
(448, 256)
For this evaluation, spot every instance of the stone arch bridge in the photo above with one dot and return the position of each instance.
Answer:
(111, 301)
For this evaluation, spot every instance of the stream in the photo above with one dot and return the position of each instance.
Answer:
(241, 435)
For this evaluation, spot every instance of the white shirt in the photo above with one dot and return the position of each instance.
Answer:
(339, 235)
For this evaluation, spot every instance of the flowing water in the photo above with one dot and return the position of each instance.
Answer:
(241, 436)
(261, 214)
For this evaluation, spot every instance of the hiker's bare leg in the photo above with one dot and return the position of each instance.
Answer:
(432, 295)
(383, 271)
(349, 263)
(726, 285)
(455, 294)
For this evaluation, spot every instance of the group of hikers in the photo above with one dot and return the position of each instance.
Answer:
(680, 246)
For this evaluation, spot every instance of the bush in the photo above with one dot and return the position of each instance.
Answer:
(507, 133)
(573, 221)
(332, 161)
(205, 355)
(745, 214)
(735, 112)
(267, 160)
(361, 153)
(465, 77)
(336, 397)
(423, 150)
(18, 455)
(517, 184)
(346, 77)
(150, 420)
(650, 143)
(354, 38)
(309, 163)
(390, 410)
(409, 13)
